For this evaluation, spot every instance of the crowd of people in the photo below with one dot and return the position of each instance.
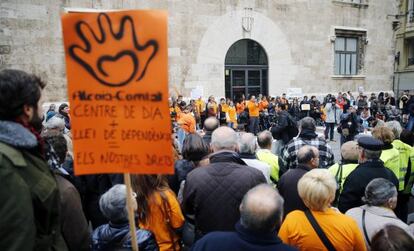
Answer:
(249, 175)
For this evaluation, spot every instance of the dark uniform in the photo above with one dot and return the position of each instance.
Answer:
(355, 184)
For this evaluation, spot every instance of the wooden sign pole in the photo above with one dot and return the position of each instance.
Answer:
(131, 214)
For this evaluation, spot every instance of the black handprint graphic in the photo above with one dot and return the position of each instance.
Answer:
(100, 50)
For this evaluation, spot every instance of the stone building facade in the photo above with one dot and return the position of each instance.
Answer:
(319, 46)
(404, 64)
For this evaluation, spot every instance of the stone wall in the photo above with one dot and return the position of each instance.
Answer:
(296, 35)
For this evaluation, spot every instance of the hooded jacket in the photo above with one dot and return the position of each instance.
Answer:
(29, 208)
(111, 236)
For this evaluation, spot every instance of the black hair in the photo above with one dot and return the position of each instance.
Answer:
(194, 147)
(17, 89)
(407, 137)
(281, 106)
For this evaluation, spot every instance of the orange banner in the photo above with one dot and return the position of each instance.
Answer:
(117, 71)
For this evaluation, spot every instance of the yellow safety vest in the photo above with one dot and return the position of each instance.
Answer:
(341, 176)
(405, 151)
(391, 158)
(410, 182)
(272, 160)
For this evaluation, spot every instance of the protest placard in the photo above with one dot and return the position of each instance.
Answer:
(305, 107)
(117, 71)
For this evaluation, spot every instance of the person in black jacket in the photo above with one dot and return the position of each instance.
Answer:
(308, 158)
(64, 113)
(194, 151)
(213, 193)
(349, 126)
(370, 167)
(260, 217)
(280, 128)
(210, 124)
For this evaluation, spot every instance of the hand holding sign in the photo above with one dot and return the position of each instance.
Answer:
(134, 60)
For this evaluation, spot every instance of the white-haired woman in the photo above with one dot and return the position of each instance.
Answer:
(381, 199)
(320, 227)
(115, 235)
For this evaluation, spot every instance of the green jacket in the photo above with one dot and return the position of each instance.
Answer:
(29, 208)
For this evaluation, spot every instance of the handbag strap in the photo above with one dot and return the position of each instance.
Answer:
(365, 228)
(319, 231)
(340, 172)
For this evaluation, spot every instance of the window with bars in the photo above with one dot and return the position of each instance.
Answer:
(346, 56)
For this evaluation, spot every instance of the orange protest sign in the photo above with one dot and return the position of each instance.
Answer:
(117, 71)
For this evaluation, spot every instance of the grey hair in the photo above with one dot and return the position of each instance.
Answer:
(308, 123)
(264, 139)
(306, 153)
(395, 127)
(113, 204)
(224, 138)
(371, 154)
(247, 143)
(55, 123)
(261, 209)
(379, 191)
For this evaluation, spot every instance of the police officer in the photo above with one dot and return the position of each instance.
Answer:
(370, 167)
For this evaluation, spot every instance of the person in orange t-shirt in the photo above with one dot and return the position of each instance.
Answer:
(200, 107)
(187, 121)
(212, 107)
(317, 190)
(231, 116)
(158, 210)
(263, 104)
(240, 106)
(253, 107)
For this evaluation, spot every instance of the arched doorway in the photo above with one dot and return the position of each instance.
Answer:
(246, 70)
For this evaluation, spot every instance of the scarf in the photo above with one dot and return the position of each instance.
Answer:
(40, 141)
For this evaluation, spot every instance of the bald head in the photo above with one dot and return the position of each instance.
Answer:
(261, 209)
(224, 138)
(308, 155)
(350, 151)
(265, 139)
(211, 124)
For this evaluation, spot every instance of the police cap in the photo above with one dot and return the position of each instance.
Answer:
(370, 143)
